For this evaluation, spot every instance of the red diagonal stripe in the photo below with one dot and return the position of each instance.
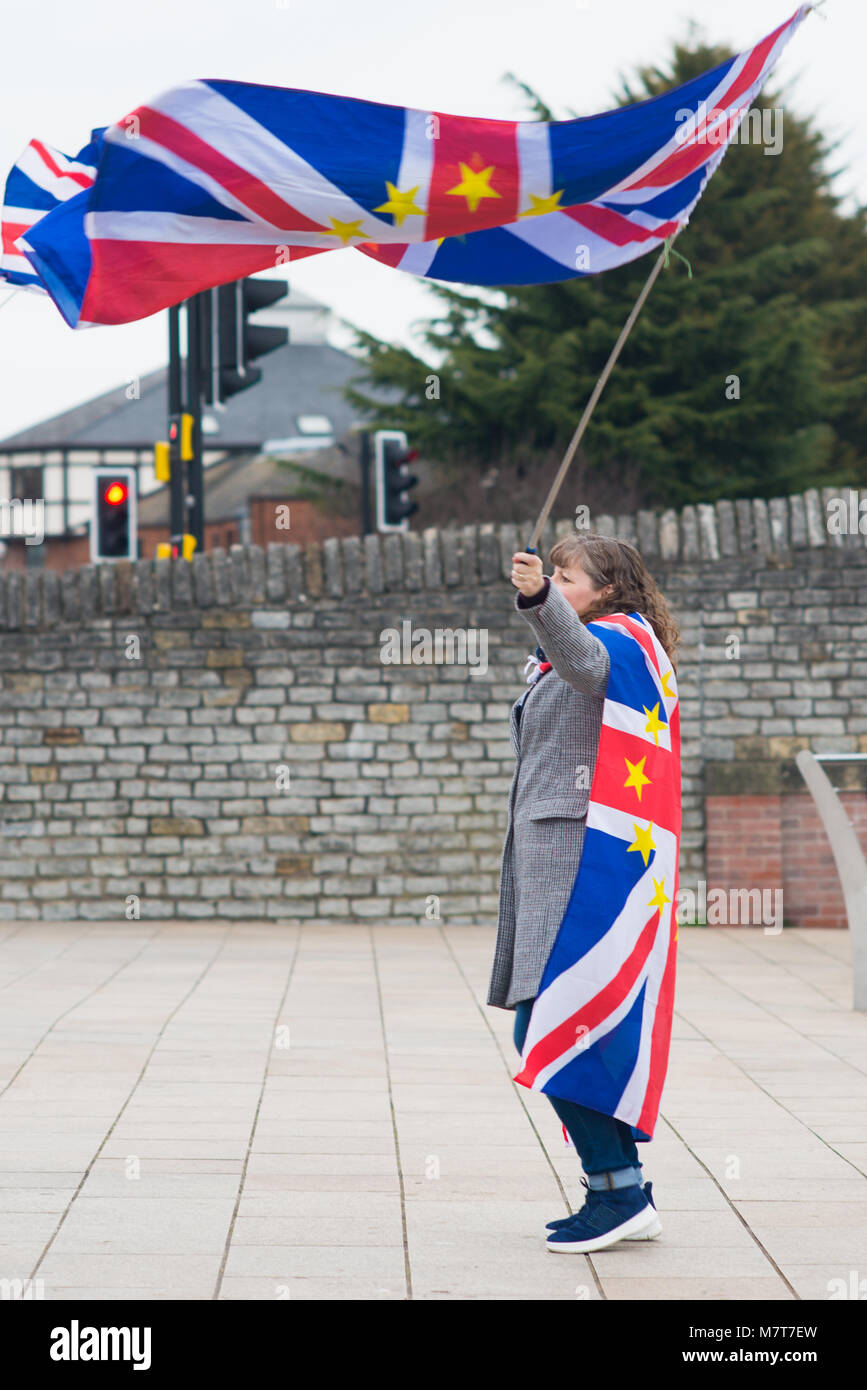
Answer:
(614, 227)
(641, 635)
(249, 190)
(660, 1038)
(387, 253)
(562, 1038)
(132, 279)
(11, 232)
(698, 151)
(85, 180)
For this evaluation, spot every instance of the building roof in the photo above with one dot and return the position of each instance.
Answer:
(231, 482)
(301, 378)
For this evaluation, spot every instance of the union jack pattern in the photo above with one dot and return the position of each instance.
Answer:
(214, 180)
(39, 180)
(601, 1023)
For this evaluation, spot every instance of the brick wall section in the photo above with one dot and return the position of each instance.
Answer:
(808, 881)
(744, 842)
(778, 840)
(159, 776)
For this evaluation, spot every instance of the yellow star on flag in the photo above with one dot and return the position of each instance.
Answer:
(400, 204)
(543, 205)
(664, 683)
(345, 230)
(636, 776)
(474, 185)
(659, 899)
(654, 723)
(643, 841)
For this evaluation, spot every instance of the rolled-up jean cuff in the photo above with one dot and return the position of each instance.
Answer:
(619, 1177)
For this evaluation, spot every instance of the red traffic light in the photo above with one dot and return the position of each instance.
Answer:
(116, 493)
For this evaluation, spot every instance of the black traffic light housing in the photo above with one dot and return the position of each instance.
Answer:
(233, 342)
(393, 480)
(113, 525)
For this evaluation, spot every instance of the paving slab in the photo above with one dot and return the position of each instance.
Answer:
(327, 1112)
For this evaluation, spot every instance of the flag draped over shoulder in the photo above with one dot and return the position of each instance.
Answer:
(600, 1027)
(214, 180)
(39, 180)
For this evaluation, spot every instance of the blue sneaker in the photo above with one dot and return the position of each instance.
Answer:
(650, 1234)
(605, 1218)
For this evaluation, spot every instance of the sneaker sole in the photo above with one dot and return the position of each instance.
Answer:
(650, 1234)
(636, 1228)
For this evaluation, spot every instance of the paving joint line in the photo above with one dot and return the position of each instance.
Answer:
(144, 1067)
(746, 1225)
(794, 975)
(406, 1260)
(81, 1000)
(521, 1101)
(16, 979)
(763, 1089)
(250, 1141)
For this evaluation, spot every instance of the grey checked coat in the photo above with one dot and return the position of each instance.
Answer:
(554, 734)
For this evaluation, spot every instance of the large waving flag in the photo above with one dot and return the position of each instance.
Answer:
(214, 180)
(600, 1027)
(40, 179)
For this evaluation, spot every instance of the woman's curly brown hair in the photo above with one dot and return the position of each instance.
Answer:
(607, 560)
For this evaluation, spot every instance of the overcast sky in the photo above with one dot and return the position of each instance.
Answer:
(70, 67)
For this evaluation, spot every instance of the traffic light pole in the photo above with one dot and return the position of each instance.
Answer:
(177, 483)
(196, 358)
(365, 461)
(221, 349)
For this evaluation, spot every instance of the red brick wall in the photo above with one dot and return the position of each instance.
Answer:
(58, 553)
(779, 841)
(307, 522)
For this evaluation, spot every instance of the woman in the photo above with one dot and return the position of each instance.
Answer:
(555, 728)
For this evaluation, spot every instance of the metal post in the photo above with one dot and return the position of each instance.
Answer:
(364, 459)
(64, 465)
(197, 354)
(848, 856)
(177, 487)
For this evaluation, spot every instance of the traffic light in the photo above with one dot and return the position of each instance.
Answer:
(113, 524)
(233, 342)
(393, 480)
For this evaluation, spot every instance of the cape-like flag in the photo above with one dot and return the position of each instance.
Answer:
(214, 180)
(600, 1028)
(39, 180)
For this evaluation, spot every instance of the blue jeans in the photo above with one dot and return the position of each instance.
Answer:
(604, 1145)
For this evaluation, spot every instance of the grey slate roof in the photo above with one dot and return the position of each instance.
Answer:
(297, 379)
(231, 482)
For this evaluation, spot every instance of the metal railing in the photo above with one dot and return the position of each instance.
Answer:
(848, 856)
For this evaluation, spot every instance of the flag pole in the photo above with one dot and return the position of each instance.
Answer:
(597, 392)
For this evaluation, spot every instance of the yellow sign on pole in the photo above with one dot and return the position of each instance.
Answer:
(187, 423)
(162, 461)
(166, 551)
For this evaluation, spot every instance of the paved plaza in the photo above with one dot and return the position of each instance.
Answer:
(237, 1110)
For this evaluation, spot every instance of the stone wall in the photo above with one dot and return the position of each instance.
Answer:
(223, 738)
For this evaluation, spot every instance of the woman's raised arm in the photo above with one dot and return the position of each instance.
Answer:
(576, 655)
